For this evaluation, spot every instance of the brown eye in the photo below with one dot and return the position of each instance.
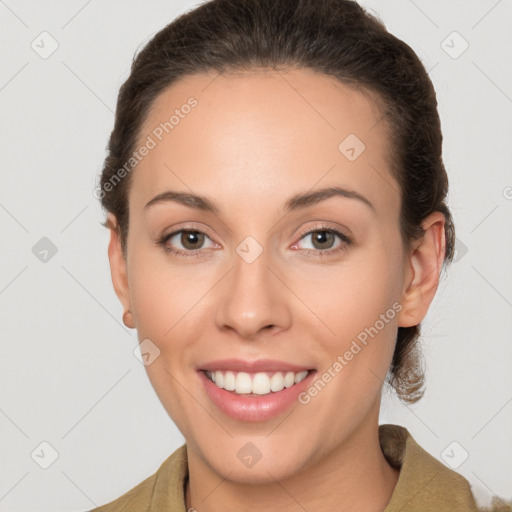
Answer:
(322, 242)
(192, 239)
(323, 239)
(186, 242)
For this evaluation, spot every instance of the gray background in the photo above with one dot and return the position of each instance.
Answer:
(68, 373)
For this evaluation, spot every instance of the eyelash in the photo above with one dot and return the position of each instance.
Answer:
(346, 241)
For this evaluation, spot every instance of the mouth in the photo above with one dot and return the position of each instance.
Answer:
(256, 390)
(255, 383)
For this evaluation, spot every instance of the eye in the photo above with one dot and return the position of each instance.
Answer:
(323, 241)
(190, 240)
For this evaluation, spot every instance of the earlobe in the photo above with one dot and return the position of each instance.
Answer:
(118, 270)
(422, 279)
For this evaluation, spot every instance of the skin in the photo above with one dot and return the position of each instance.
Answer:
(252, 142)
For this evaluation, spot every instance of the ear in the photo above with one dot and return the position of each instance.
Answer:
(424, 264)
(118, 268)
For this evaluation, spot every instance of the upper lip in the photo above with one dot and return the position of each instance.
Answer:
(259, 365)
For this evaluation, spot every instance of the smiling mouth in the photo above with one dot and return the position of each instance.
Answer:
(255, 384)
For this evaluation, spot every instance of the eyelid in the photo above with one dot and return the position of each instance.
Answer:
(163, 239)
(190, 226)
(325, 226)
(345, 239)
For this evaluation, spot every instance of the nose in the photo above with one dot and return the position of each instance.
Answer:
(253, 300)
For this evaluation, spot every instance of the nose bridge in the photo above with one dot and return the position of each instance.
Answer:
(252, 298)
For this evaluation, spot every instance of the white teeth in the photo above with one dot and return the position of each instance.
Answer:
(243, 383)
(289, 380)
(229, 381)
(259, 383)
(300, 376)
(277, 382)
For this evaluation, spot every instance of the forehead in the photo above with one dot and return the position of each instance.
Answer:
(263, 136)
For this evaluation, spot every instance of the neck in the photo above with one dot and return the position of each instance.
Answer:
(354, 476)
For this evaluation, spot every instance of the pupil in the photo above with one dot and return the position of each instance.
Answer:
(321, 236)
(191, 238)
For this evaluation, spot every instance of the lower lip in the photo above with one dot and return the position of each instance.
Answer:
(254, 407)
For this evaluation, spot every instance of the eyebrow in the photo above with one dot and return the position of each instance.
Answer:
(296, 202)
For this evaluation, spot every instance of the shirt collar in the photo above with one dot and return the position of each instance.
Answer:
(424, 483)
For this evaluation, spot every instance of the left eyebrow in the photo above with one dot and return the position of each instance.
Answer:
(297, 202)
(306, 199)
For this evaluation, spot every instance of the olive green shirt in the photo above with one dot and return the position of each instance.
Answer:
(424, 484)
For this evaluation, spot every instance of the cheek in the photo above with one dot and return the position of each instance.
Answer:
(168, 301)
(349, 297)
(359, 303)
(165, 296)
(372, 314)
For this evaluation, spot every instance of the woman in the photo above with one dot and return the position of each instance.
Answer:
(275, 194)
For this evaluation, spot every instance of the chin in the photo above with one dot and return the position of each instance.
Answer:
(259, 474)
(249, 465)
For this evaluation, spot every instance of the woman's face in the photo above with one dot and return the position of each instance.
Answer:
(265, 275)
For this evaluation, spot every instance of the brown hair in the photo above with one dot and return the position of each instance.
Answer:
(334, 37)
